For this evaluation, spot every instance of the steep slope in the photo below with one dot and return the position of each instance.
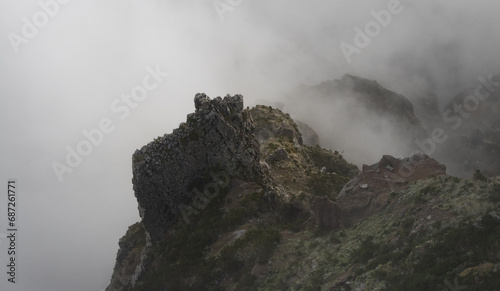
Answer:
(297, 217)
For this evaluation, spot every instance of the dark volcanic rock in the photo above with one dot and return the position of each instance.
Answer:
(169, 171)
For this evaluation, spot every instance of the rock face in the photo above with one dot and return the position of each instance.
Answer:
(368, 192)
(391, 173)
(169, 171)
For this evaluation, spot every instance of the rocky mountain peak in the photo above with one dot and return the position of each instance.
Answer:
(378, 98)
(229, 105)
(359, 106)
(169, 171)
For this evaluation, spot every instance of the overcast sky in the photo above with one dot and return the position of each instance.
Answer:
(65, 76)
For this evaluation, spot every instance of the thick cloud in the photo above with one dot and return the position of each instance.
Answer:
(68, 73)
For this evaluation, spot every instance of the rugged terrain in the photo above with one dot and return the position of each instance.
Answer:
(239, 199)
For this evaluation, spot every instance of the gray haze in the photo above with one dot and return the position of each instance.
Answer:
(65, 79)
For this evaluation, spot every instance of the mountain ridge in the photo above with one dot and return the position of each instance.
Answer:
(289, 215)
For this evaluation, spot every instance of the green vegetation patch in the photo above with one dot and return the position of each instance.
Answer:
(324, 184)
(333, 162)
(452, 250)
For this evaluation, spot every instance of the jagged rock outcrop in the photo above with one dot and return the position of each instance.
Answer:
(218, 144)
(169, 171)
